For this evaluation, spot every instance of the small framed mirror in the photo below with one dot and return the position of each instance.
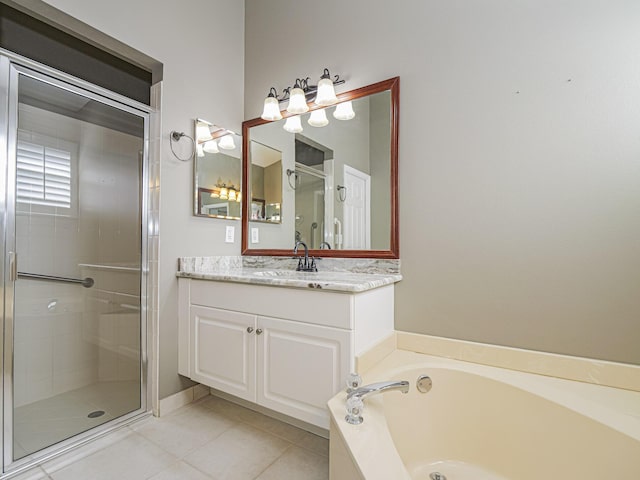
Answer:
(217, 172)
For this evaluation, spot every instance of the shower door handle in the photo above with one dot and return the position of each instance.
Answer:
(13, 266)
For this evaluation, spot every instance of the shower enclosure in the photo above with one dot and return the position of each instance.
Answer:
(72, 196)
(314, 208)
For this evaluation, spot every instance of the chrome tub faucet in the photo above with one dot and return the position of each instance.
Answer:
(356, 396)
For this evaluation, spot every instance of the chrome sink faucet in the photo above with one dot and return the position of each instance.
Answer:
(356, 396)
(304, 265)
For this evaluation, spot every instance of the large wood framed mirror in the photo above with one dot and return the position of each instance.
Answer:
(333, 186)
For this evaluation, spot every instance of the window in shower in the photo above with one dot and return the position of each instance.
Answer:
(43, 175)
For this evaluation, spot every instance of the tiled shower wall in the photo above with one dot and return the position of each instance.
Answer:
(67, 336)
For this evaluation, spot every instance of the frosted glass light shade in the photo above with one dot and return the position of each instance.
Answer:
(232, 195)
(326, 93)
(318, 118)
(211, 146)
(224, 193)
(297, 101)
(271, 111)
(293, 124)
(344, 111)
(226, 142)
(203, 133)
(200, 150)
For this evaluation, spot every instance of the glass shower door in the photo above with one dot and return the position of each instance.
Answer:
(74, 246)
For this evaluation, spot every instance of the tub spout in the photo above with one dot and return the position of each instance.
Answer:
(380, 387)
(355, 397)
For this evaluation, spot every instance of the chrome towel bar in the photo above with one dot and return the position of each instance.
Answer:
(85, 282)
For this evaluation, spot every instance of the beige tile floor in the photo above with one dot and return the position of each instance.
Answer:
(209, 439)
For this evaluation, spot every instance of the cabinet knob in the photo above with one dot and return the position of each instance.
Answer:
(259, 331)
(249, 329)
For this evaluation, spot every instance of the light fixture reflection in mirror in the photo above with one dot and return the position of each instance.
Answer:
(359, 155)
(217, 172)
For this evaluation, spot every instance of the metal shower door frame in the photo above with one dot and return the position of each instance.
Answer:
(13, 66)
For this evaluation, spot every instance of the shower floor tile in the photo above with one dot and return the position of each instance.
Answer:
(48, 421)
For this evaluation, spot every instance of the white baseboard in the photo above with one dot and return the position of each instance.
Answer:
(185, 397)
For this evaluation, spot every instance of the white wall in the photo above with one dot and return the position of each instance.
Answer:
(519, 147)
(201, 44)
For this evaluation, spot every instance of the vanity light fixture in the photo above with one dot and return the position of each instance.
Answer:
(297, 99)
(293, 124)
(344, 111)
(318, 118)
(210, 146)
(203, 133)
(326, 93)
(302, 92)
(224, 192)
(226, 142)
(271, 110)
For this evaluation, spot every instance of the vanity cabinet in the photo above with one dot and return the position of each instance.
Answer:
(223, 343)
(286, 349)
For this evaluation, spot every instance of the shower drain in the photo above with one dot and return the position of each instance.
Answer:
(437, 476)
(96, 414)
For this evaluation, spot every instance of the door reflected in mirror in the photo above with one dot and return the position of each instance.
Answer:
(217, 172)
(337, 177)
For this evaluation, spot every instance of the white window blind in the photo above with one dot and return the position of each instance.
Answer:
(43, 175)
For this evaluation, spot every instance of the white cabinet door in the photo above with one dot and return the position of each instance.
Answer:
(223, 345)
(300, 367)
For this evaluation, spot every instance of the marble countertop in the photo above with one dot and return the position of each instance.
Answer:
(329, 280)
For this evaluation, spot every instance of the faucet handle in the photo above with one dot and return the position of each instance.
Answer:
(353, 381)
(355, 406)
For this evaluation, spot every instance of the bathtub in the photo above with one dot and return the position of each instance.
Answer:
(485, 423)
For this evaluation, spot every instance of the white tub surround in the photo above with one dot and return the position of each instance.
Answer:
(282, 339)
(486, 423)
(589, 370)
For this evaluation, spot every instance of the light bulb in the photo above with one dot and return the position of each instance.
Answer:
(326, 93)
(200, 150)
(293, 124)
(271, 109)
(211, 146)
(344, 111)
(226, 142)
(318, 118)
(297, 101)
